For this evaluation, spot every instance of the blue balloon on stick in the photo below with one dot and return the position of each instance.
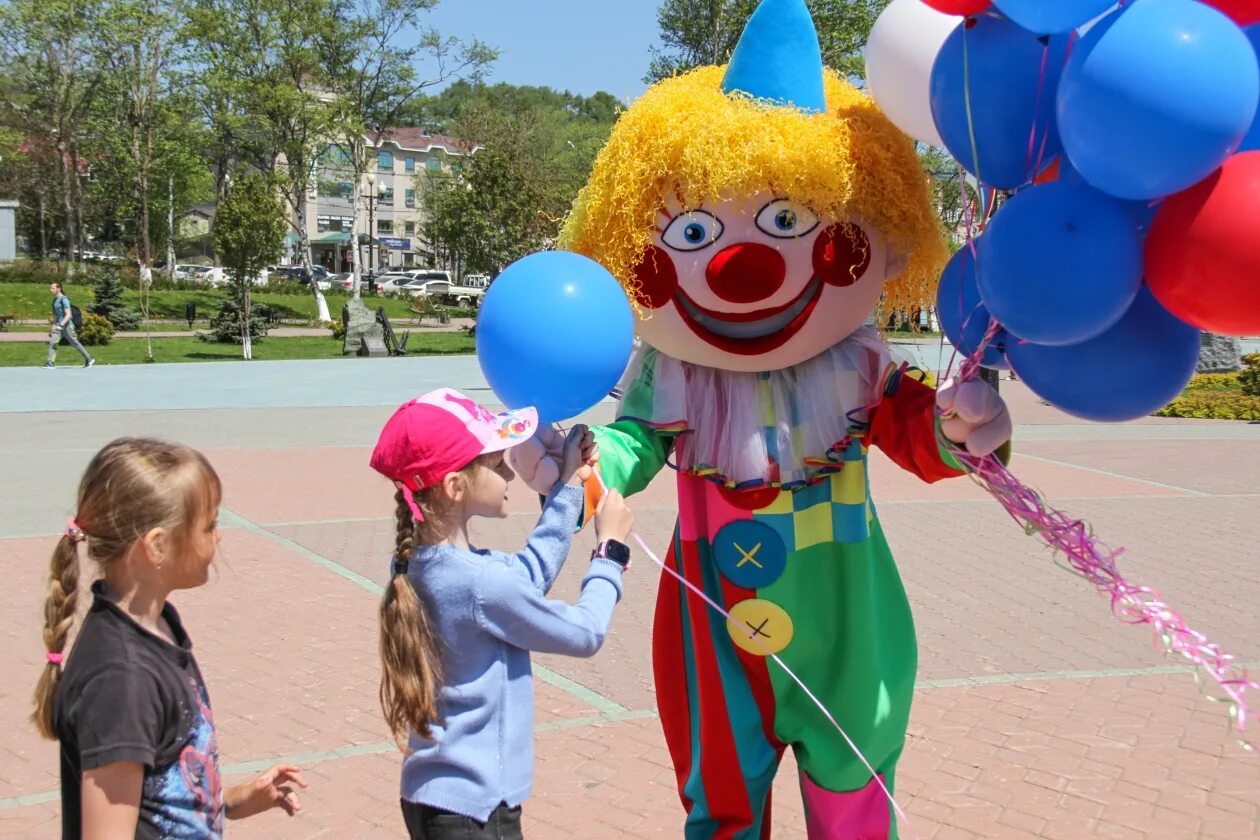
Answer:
(1131, 370)
(1252, 141)
(1046, 16)
(1154, 98)
(964, 318)
(997, 82)
(555, 331)
(1060, 263)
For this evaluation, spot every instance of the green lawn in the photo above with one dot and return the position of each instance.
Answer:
(132, 351)
(32, 300)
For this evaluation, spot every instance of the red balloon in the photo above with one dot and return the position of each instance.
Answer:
(1202, 257)
(1244, 12)
(971, 7)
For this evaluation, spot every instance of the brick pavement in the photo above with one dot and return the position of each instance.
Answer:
(1037, 713)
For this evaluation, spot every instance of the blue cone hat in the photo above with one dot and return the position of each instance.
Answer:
(777, 58)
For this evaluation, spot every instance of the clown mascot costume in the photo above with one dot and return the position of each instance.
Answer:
(755, 215)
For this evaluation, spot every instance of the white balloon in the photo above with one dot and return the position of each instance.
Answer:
(899, 55)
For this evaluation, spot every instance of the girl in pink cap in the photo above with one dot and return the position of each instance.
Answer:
(458, 623)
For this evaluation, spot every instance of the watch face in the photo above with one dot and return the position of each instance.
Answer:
(619, 552)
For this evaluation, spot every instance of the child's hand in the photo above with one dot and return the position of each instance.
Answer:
(269, 789)
(580, 454)
(973, 415)
(613, 518)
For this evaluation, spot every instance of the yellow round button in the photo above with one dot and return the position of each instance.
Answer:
(760, 626)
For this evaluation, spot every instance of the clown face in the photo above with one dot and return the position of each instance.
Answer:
(756, 284)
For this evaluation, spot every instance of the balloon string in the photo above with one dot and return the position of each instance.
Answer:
(971, 125)
(1031, 169)
(765, 651)
(1093, 560)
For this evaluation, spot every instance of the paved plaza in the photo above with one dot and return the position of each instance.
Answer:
(1037, 713)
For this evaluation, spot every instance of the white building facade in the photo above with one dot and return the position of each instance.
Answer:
(391, 210)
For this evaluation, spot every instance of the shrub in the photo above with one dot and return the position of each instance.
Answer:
(1214, 382)
(1249, 376)
(1213, 405)
(338, 329)
(97, 329)
(225, 324)
(27, 271)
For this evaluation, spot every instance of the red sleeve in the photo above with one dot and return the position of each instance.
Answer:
(903, 426)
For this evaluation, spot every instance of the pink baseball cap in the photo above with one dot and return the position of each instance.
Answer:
(442, 432)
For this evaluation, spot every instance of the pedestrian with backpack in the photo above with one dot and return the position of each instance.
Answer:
(67, 320)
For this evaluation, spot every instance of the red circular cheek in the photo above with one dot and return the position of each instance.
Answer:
(656, 277)
(842, 253)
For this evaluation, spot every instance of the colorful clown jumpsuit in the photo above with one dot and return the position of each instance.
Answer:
(806, 574)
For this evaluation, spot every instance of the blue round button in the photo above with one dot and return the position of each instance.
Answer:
(749, 554)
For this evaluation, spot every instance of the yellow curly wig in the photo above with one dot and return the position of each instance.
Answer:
(685, 137)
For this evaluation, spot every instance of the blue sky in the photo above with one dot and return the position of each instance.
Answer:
(579, 45)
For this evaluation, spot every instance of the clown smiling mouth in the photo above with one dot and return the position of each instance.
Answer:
(751, 333)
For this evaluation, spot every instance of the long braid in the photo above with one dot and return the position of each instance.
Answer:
(59, 611)
(411, 665)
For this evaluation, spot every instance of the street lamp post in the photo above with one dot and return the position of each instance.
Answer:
(371, 203)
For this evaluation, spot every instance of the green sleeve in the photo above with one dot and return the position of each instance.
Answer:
(631, 454)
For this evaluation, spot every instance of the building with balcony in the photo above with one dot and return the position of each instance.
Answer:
(391, 211)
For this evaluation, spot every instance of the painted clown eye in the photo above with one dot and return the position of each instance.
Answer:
(692, 231)
(784, 219)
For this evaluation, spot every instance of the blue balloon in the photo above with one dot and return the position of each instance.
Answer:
(964, 319)
(1135, 368)
(554, 331)
(1060, 263)
(1154, 98)
(1252, 140)
(1046, 16)
(996, 67)
(1142, 212)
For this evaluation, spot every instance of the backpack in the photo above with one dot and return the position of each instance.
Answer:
(76, 317)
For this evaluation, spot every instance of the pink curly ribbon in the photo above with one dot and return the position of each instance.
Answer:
(1220, 678)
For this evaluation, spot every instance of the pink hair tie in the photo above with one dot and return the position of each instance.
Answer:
(54, 658)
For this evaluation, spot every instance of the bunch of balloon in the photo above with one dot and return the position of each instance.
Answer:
(1126, 135)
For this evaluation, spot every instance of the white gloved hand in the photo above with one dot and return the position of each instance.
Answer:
(538, 460)
(973, 416)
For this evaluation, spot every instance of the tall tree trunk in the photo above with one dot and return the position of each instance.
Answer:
(304, 242)
(357, 163)
(67, 199)
(170, 225)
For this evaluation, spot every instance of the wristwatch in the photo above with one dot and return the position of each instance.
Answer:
(617, 552)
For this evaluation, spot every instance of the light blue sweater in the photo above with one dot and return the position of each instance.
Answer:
(490, 610)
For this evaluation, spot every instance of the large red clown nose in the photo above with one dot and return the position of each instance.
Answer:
(746, 272)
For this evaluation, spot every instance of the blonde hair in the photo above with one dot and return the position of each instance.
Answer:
(130, 487)
(687, 139)
(411, 655)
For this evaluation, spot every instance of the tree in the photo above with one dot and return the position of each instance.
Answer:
(376, 70)
(269, 60)
(108, 300)
(695, 33)
(249, 235)
(51, 67)
(510, 196)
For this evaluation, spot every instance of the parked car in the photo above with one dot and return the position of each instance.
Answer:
(301, 275)
(344, 280)
(394, 281)
(188, 271)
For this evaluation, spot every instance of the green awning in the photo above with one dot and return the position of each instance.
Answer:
(337, 238)
(292, 238)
